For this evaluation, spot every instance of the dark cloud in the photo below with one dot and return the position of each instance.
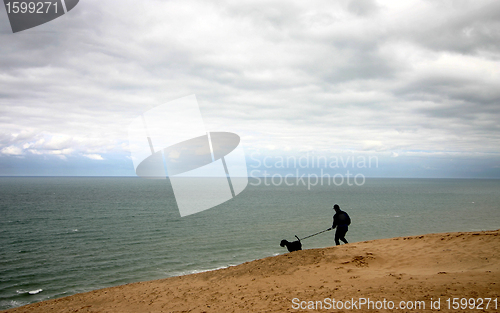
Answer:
(463, 27)
(363, 7)
(470, 28)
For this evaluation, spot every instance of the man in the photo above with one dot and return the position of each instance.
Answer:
(340, 220)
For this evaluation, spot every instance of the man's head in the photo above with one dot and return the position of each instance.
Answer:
(336, 207)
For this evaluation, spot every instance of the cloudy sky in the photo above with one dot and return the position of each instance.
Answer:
(415, 84)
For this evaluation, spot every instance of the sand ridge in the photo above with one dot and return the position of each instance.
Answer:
(414, 268)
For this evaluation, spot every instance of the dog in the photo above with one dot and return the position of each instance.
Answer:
(292, 246)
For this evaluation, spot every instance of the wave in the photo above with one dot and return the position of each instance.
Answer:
(31, 292)
(9, 304)
(34, 292)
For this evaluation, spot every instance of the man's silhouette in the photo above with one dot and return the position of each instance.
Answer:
(341, 220)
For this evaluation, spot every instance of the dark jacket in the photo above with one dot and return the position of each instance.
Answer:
(341, 219)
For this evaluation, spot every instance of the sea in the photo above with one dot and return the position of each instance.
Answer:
(65, 235)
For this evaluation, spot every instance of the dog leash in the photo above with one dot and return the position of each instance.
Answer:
(314, 234)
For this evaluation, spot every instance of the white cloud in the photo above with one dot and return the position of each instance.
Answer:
(94, 157)
(12, 150)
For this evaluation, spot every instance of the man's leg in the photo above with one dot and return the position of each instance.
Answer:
(339, 235)
(343, 238)
(337, 242)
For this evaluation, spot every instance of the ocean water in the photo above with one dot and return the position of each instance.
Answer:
(64, 235)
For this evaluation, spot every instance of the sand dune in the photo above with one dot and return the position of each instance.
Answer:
(419, 270)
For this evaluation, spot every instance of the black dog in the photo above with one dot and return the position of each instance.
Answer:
(292, 246)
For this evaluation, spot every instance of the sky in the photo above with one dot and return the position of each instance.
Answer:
(413, 85)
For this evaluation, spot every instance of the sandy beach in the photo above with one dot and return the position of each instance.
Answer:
(407, 274)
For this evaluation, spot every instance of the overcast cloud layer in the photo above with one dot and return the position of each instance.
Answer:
(415, 83)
